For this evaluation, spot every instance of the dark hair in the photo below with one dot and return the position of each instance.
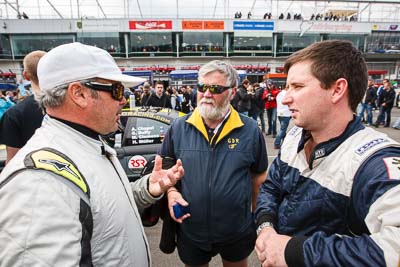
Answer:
(159, 82)
(334, 59)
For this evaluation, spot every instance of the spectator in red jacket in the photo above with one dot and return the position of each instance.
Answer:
(269, 97)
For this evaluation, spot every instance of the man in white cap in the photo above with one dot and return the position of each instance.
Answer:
(64, 198)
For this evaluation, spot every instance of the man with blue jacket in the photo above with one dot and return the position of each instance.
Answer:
(225, 163)
(332, 196)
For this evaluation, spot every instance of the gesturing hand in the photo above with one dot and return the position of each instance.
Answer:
(160, 180)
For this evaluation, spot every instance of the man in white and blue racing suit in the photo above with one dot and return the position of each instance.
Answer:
(332, 196)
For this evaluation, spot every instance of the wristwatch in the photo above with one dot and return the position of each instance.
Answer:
(262, 226)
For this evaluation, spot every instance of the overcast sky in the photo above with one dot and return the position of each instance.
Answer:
(186, 8)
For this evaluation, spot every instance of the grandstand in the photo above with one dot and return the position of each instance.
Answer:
(153, 37)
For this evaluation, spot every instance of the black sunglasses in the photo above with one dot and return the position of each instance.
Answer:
(116, 89)
(214, 89)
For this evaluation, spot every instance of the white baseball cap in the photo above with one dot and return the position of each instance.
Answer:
(75, 61)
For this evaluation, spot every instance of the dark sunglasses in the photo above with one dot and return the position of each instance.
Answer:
(116, 89)
(214, 89)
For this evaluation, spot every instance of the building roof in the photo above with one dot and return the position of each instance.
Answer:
(388, 10)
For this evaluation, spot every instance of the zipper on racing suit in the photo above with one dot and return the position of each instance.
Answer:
(110, 158)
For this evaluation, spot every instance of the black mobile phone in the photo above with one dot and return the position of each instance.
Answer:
(180, 210)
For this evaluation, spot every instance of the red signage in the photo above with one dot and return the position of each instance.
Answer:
(192, 25)
(150, 25)
(213, 25)
(202, 25)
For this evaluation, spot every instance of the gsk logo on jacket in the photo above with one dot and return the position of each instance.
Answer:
(233, 142)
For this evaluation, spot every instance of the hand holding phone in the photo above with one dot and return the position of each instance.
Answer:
(180, 210)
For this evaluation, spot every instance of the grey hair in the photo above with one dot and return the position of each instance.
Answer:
(55, 96)
(222, 67)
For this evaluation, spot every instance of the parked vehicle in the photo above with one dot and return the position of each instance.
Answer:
(141, 134)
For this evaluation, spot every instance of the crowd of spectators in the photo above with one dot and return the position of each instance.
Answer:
(267, 15)
(298, 16)
(182, 98)
(203, 48)
(22, 15)
(238, 15)
(255, 99)
(5, 103)
(152, 48)
(331, 17)
(289, 16)
(9, 98)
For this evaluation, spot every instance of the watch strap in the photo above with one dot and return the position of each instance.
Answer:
(263, 225)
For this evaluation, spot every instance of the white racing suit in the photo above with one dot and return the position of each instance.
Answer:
(341, 207)
(75, 208)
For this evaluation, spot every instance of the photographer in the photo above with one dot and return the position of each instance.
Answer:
(269, 97)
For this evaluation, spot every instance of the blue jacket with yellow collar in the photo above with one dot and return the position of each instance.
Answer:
(217, 182)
